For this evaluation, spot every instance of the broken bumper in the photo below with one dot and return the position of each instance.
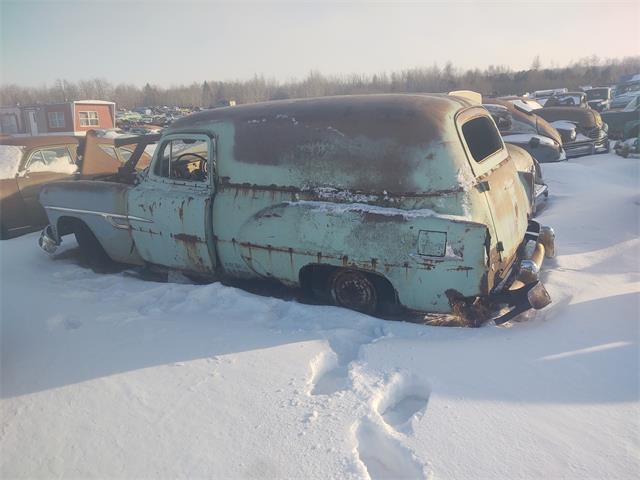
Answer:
(525, 290)
(49, 241)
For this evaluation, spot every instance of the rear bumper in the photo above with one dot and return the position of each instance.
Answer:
(523, 289)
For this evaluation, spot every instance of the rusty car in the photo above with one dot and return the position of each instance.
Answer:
(520, 126)
(582, 130)
(599, 98)
(371, 201)
(29, 163)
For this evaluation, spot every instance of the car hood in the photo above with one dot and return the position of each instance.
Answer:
(546, 129)
(585, 117)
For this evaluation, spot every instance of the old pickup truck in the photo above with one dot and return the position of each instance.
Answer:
(372, 200)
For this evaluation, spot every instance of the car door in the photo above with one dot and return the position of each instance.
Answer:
(174, 203)
(43, 165)
(497, 178)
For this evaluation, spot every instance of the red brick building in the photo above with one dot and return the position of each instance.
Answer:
(68, 118)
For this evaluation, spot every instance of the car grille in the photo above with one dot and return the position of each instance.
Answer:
(596, 133)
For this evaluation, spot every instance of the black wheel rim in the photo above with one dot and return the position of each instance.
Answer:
(353, 290)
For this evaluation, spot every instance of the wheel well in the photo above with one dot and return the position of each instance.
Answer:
(315, 279)
(67, 225)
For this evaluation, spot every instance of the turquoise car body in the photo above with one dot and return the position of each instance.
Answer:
(382, 184)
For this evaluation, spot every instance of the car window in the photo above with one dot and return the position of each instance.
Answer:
(125, 153)
(54, 160)
(183, 159)
(482, 137)
(109, 150)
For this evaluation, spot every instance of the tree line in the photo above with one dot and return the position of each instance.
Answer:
(494, 80)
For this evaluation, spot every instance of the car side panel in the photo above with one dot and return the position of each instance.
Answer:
(102, 206)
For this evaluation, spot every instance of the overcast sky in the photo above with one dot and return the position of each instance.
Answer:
(173, 42)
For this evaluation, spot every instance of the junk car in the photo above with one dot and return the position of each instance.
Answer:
(369, 201)
(623, 123)
(520, 126)
(568, 99)
(28, 163)
(582, 130)
(599, 98)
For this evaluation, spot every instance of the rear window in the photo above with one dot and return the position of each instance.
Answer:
(482, 138)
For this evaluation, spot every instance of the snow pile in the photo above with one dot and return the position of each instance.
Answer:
(337, 209)
(10, 156)
(109, 375)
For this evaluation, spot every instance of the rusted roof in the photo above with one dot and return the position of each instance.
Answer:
(390, 106)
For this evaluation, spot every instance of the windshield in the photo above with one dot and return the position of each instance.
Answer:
(597, 94)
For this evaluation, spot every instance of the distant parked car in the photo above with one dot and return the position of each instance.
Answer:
(623, 124)
(541, 96)
(569, 99)
(582, 130)
(599, 98)
(29, 163)
(520, 126)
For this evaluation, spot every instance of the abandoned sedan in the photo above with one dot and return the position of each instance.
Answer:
(371, 200)
(520, 126)
(582, 130)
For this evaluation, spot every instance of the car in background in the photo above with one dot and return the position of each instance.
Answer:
(568, 99)
(29, 163)
(623, 124)
(599, 98)
(518, 125)
(582, 130)
(524, 102)
(541, 96)
(621, 101)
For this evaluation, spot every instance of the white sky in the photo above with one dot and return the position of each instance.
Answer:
(172, 42)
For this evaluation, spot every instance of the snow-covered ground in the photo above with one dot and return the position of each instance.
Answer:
(109, 375)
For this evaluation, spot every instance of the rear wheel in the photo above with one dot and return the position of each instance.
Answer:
(354, 290)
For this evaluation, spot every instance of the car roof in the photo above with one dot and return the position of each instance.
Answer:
(41, 140)
(45, 140)
(437, 106)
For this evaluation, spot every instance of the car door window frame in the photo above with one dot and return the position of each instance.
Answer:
(211, 151)
(489, 163)
(33, 153)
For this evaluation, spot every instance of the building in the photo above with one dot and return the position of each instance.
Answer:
(67, 118)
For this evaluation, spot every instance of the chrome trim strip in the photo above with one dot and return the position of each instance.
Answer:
(107, 216)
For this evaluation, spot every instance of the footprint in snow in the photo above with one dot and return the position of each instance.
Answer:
(404, 399)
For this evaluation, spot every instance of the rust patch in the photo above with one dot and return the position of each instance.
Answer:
(374, 217)
(460, 268)
(181, 211)
(185, 237)
(351, 134)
